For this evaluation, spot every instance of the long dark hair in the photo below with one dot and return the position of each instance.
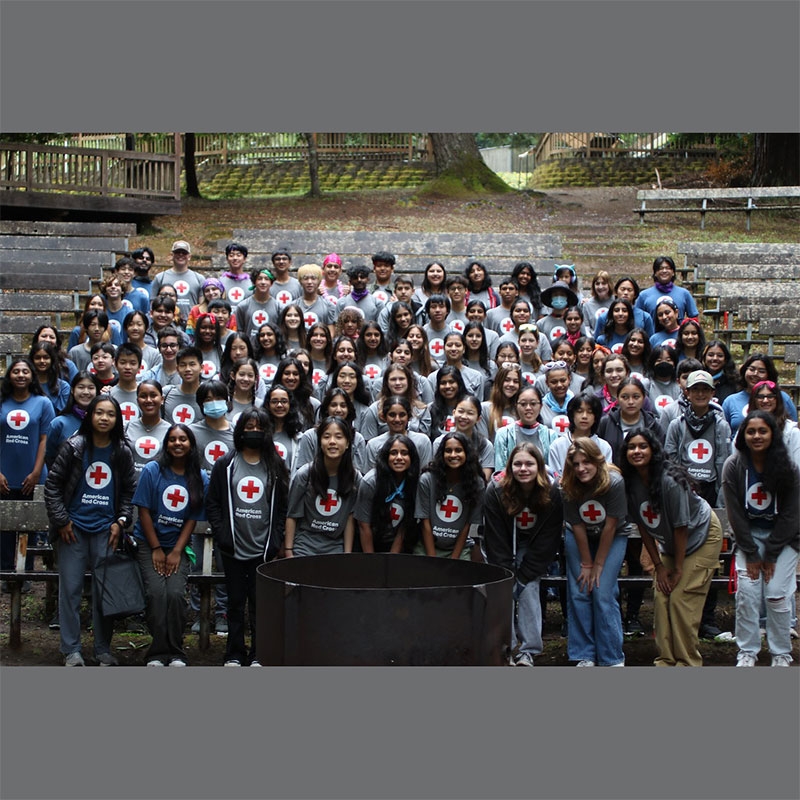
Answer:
(514, 499)
(53, 369)
(292, 425)
(269, 455)
(280, 342)
(730, 374)
(117, 434)
(645, 350)
(301, 331)
(780, 472)
(346, 473)
(471, 474)
(360, 395)
(7, 390)
(483, 350)
(301, 396)
(659, 467)
(386, 484)
(439, 409)
(85, 375)
(610, 325)
(532, 290)
(191, 465)
(226, 362)
(335, 391)
(361, 346)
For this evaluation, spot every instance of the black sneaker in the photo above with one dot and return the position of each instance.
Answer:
(709, 631)
(633, 627)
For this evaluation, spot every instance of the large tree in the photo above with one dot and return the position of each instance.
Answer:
(313, 165)
(776, 159)
(459, 164)
(192, 187)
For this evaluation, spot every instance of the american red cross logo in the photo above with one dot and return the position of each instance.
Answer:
(700, 451)
(310, 319)
(215, 450)
(450, 509)
(530, 378)
(561, 423)
(181, 287)
(759, 497)
(396, 514)
(592, 512)
(329, 504)
(525, 519)
(209, 369)
(557, 333)
(507, 421)
(260, 317)
(669, 343)
(457, 325)
(175, 498)
(142, 369)
(147, 445)
(249, 489)
(436, 346)
(235, 294)
(129, 411)
(449, 423)
(98, 475)
(331, 299)
(284, 297)
(183, 413)
(372, 371)
(507, 325)
(18, 420)
(663, 400)
(650, 516)
(382, 296)
(316, 376)
(281, 450)
(268, 371)
(617, 348)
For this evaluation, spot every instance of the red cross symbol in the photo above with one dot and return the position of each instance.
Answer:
(449, 423)
(382, 296)
(530, 378)
(591, 512)
(561, 423)
(507, 421)
(372, 371)
(284, 298)
(759, 497)
(450, 508)
(209, 369)
(235, 294)
(525, 519)
(260, 317)
(144, 446)
(183, 413)
(331, 299)
(650, 516)
(395, 512)
(268, 371)
(700, 451)
(97, 475)
(557, 333)
(329, 504)
(436, 346)
(663, 401)
(215, 450)
(617, 348)
(507, 325)
(310, 318)
(316, 376)
(91, 369)
(19, 419)
(181, 287)
(175, 497)
(281, 450)
(142, 369)
(457, 325)
(669, 343)
(251, 489)
(129, 411)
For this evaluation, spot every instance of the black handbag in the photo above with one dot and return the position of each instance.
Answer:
(118, 583)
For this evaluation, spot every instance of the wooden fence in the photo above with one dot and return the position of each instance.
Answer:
(88, 170)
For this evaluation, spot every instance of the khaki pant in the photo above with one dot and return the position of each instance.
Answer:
(677, 615)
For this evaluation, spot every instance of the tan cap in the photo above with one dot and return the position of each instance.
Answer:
(181, 245)
(699, 376)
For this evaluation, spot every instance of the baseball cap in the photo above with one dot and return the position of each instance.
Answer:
(699, 376)
(181, 245)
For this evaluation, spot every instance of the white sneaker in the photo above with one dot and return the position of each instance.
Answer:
(255, 663)
(523, 660)
(781, 661)
(621, 664)
(745, 660)
(74, 660)
(177, 662)
(793, 633)
(233, 662)
(587, 663)
(155, 662)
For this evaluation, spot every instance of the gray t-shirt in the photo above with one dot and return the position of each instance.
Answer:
(251, 506)
(211, 444)
(449, 516)
(145, 441)
(594, 511)
(180, 406)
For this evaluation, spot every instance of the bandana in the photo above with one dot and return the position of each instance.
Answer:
(398, 492)
(610, 402)
(665, 287)
(79, 412)
(241, 276)
(359, 296)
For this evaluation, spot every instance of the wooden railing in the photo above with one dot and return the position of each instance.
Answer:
(88, 170)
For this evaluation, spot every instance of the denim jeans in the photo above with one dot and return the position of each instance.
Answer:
(166, 606)
(527, 627)
(777, 593)
(240, 579)
(73, 561)
(594, 620)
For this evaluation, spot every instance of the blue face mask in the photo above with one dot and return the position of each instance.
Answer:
(558, 302)
(215, 408)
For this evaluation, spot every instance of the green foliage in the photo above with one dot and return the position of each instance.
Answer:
(507, 139)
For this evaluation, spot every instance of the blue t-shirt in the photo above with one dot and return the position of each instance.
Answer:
(92, 506)
(21, 427)
(165, 495)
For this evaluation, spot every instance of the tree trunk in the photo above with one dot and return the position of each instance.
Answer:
(313, 165)
(776, 159)
(458, 161)
(192, 188)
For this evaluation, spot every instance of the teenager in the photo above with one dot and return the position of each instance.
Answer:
(145, 433)
(235, 279)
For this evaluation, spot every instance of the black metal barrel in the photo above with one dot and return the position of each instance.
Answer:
(374, 609)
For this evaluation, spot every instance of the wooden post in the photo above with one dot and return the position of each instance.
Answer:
(176, 188)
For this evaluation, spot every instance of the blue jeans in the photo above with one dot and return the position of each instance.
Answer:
(594, 621)
(777, 593)
(527, 627)
(73, 561)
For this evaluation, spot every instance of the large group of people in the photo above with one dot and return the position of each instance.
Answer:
(541, 430)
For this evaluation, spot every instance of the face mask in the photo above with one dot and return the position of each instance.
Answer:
(558, 302)
(253, 439)
(215, 408)
(663, 369)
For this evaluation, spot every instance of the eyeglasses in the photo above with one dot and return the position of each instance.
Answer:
(761, 397)
(528, 403)
(278, 401)
(165, 346)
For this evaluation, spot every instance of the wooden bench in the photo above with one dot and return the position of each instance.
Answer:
(747, 195)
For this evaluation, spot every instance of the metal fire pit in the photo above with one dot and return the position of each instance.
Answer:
(373, 609)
